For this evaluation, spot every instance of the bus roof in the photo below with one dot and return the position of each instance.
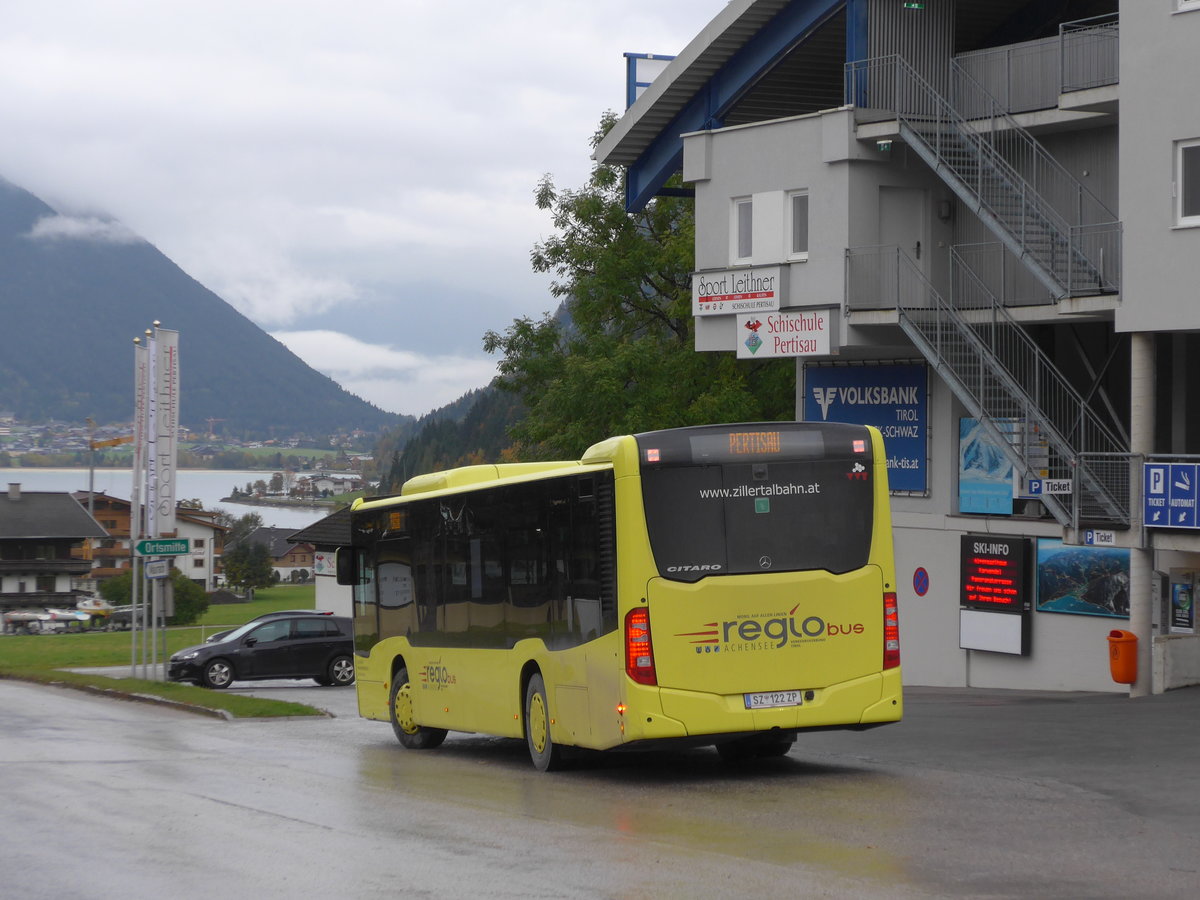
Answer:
(467, 477)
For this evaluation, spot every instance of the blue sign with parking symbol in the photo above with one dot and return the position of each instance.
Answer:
(1170, 494)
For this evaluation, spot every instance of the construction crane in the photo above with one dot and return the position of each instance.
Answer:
(111, 442)
(93, 446)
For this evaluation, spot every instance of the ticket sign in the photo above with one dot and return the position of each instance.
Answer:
(995, 573)
(1170, 493)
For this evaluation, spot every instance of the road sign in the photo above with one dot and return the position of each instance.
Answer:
(1094, 537)
(158, 568)
(164, 547)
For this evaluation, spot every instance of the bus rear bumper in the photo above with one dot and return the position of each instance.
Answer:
(872, 699)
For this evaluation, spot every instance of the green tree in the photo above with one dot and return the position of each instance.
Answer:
(248, 566)
(619, 355)
(238, 528)
(190, 600)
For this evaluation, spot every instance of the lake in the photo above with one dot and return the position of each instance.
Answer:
(206, 485)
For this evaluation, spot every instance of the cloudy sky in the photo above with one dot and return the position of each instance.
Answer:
(356, 177)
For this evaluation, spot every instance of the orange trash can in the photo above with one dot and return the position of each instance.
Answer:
(1122, 656)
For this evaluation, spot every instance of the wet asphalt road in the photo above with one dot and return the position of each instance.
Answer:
(975, 794)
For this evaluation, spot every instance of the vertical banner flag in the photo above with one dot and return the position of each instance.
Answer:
(166, 407)
(151, 435)
(141, 401)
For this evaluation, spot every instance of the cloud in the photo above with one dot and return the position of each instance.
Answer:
(313, 163)
(400, 381)
(82, 228)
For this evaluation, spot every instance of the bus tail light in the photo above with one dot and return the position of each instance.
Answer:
(891, 631)
(639, 651)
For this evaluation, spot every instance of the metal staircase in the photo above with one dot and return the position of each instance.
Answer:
(1003, 378)
(1061, 231)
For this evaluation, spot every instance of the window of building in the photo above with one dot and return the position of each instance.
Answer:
(46, 584)
(743, 229)
(197, 564)
(198, 543)
(1187, 184)
(797, 224)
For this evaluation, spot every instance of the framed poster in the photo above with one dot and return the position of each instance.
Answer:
(1087, 581)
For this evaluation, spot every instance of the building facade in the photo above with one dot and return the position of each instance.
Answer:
(111, 554)
(975, 225)
(38, 533)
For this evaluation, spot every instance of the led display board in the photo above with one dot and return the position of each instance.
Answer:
(995, 598)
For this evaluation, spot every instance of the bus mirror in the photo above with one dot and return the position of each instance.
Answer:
(347, 570)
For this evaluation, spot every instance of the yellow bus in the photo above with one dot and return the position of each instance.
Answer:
(727, 585)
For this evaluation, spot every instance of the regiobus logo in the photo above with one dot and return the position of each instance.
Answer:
(435, 676)
(766, 632)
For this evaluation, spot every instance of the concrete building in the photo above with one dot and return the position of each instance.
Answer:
(976, 225)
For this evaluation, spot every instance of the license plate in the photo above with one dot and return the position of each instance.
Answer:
(767, 699)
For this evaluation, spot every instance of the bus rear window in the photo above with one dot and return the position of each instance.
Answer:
(739, 518)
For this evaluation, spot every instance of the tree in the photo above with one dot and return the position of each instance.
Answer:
(248, 566)
(238, 528)
(619, 356)
(190, 600)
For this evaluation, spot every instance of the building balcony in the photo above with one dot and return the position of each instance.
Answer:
(34, 567)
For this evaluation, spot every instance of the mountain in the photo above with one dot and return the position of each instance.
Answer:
(72, 302)
(471, 430)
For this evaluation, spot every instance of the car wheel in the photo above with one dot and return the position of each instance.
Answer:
(408, 732)
(217, 674)
(546, 755)
(341, 672)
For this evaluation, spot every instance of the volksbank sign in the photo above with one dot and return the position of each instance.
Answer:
(893, 398)
(737, 291)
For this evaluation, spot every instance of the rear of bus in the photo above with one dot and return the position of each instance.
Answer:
(770, 599)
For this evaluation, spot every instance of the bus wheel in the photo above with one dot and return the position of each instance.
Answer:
(772, 749)
(545, 753)
(408, 732)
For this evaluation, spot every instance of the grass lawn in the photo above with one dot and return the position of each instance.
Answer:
(40, 657)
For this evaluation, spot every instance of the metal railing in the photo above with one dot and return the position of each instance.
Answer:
(1022, 77)
(1000, 375)
(1031, 75)
(1002, 271)
(999, 171)
(1089, 53)
(1120, 474)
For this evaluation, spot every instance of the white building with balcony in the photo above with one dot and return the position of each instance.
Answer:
(983, 219)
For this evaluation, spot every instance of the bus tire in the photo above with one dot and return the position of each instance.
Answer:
(773, 749)
(408, 732)
(546, 755)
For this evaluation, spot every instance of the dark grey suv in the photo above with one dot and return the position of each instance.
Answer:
(300, 646)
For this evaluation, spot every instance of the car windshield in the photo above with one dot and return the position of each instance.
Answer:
(241, 631)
